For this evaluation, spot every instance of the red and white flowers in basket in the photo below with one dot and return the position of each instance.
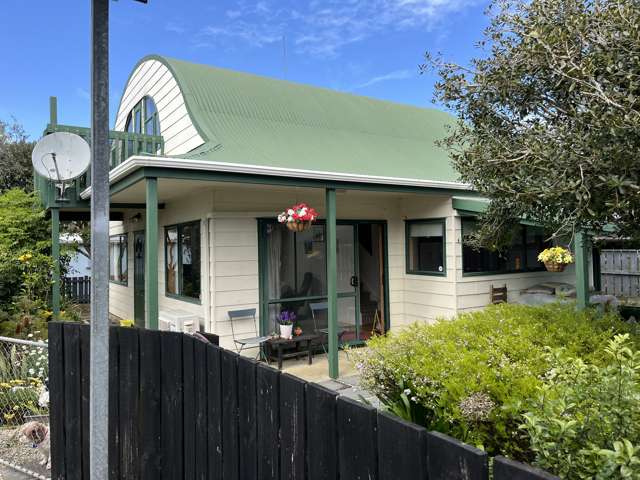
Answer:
(299, 217)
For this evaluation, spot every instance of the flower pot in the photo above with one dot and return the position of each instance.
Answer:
(286, 331)
(298, 226)
(555, 267)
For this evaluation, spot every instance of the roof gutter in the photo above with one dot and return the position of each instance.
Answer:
(136, 162)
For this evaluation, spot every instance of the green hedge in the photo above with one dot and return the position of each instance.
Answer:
(471, 377)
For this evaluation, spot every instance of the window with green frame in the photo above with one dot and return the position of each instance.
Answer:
(118, 259)
(182, 260)
(426, 247)
(522, 255)
(143, 118)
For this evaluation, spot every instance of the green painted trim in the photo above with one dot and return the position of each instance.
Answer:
(597, 268)
(407, 226)
(183, 298)
(469, 205)
(151, 254)
(199, 175)
(582, 242)
(55, 255)
(53, 111)
(127, 182)
(332, 282)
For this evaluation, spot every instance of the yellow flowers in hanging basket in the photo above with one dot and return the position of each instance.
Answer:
(555, 259)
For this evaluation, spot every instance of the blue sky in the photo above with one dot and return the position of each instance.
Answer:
(368, 47)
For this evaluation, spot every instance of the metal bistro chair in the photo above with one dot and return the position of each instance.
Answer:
(248, 342)
(315, 309)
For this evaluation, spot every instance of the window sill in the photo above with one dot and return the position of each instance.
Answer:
(428, 274)
(510, 272)
(184, 298)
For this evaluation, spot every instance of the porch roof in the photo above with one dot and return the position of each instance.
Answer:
(252, 120)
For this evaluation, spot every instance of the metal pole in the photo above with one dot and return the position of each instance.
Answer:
(55, 255)
(332, 282)
(99, 357)
(582, 269)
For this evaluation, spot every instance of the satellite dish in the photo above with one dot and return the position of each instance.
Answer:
(61, 157)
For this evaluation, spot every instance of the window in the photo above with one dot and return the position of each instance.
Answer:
(522, 256)
(118, 259)
(143, 118)
(425, 247)
(182, 260)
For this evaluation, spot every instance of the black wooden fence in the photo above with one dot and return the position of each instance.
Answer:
(181, 408)
(77, 289)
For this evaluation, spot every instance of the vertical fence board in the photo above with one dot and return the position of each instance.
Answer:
(200, 375)
(72, 402)
(357, 440)
(229, 384)
(449, 459)
(172, 406)
(189, 410)
(150, 402)
(402, 449)
(56, 400)
(114, 394)
(322, 436)
(129, 408)
(85, 375)
(505, 469)
(268, 380)
(292, 428)
(214, 413)
(248, 424)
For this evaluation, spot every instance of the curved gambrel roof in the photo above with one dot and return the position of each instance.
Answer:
(209, 113)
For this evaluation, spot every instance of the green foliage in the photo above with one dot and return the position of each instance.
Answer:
(584, 421)
(15, 157)
(468, 377)
(549, 116)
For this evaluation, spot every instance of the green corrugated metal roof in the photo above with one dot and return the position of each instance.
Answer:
(261, 121)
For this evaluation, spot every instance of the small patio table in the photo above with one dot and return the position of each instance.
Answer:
(278, 347)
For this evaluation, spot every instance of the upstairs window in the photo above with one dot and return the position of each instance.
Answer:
(425, 247)
(143, 118)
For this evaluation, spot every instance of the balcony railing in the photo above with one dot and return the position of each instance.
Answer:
(123, 146)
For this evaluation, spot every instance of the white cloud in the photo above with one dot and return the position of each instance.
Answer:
(174, 28)
(396, 75)
(323, 28)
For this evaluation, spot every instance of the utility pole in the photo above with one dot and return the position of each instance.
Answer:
(99, 356)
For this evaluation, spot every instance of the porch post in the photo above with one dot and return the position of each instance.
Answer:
(582, 269)
(332, 282)
(151, 253)
(55, 255)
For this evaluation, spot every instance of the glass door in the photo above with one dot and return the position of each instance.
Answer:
(347, 286)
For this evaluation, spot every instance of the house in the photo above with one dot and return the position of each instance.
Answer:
(203, 161)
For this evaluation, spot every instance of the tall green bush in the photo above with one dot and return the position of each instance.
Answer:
(470, 377)
(585, 420)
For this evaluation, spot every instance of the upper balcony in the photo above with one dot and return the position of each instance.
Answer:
(123, 146)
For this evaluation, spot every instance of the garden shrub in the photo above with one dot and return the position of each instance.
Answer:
(469, 377)
(585, 420)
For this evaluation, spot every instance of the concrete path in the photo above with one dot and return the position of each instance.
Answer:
(7, 473)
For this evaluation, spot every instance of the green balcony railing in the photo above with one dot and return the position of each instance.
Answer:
(123, 146)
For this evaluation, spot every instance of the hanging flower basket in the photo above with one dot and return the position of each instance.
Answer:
(555, 259)
(298, 217)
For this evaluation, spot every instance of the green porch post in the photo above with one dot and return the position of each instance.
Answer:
(151, 253)
(55, 255)
(332, 282)
(582, 269)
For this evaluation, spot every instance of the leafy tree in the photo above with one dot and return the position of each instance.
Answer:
(549, 116)
(15, 157)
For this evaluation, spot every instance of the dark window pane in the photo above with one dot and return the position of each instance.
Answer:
(311, 262)
(425, 247)
(281, 261)
(190, 250)
(148, 127)
(171, 259)
(138, 121)
(118, 258)
(149, 108)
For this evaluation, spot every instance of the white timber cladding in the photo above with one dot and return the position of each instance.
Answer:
(152, 78)
(229, 254)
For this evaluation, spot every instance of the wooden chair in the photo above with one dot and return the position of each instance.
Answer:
(498, 294)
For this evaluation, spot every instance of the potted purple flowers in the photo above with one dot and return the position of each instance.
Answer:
(285, 321)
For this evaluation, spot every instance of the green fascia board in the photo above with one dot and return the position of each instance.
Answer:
(253, 120)
(472, 206)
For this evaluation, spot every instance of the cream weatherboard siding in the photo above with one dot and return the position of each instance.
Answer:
(229, 214)
(152, 78)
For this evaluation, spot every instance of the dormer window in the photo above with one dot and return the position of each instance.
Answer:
(143, 118)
